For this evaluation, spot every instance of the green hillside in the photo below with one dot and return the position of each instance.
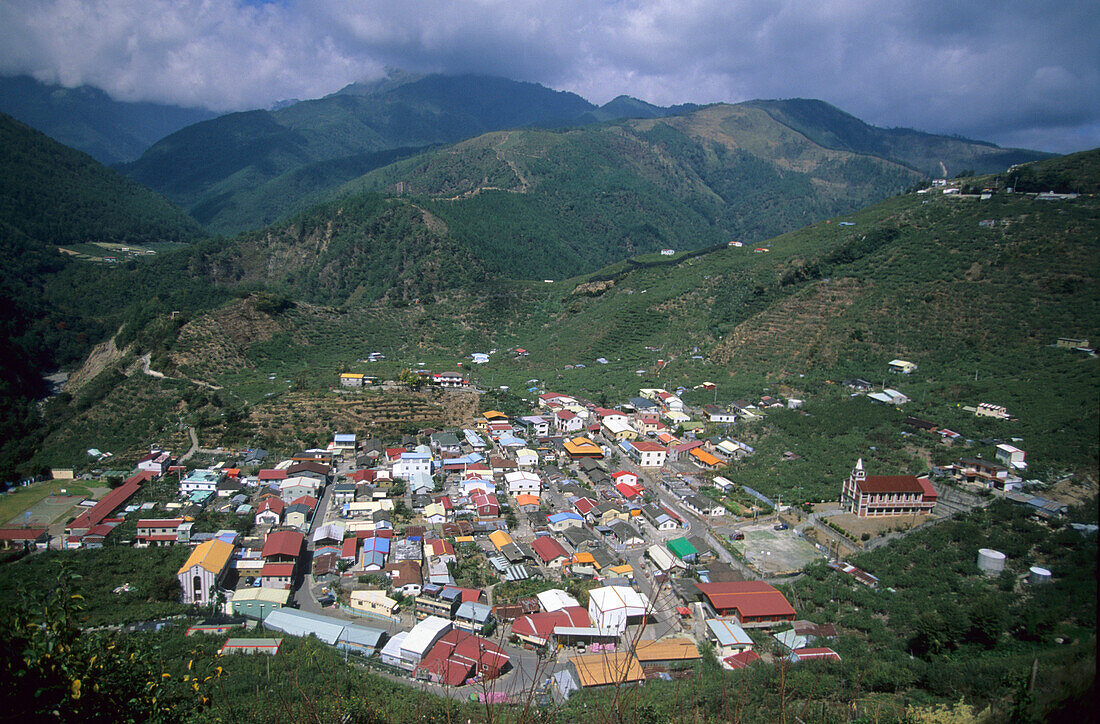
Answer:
(932, 155)
(920, 276)
(544, 204)
(87, 119)
(56, 195)
(246, 170)
(242, 171)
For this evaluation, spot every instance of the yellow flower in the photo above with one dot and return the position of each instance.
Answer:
(76, 689)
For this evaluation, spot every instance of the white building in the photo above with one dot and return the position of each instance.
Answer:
(1011, 456)
(522, 481)
(413, 464)
(612, 608)
(421, 639)
(201, 481)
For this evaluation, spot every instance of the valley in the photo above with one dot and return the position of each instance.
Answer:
(452, 371)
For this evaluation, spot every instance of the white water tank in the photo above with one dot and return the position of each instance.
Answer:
(1038, 575)
(991, 562)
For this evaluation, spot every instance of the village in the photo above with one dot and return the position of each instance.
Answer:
(576, 546)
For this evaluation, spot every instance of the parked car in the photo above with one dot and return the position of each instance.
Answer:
(781, 526)
(738, 536)
(327, 601)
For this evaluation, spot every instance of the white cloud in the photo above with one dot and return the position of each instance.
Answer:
(990, 70)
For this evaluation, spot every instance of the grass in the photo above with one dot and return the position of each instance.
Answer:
(20, 499)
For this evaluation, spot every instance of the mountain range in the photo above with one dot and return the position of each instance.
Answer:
(87, 119)
(546, 196)
(246, 170)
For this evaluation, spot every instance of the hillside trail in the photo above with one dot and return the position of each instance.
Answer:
(147, 370)
(524, 184)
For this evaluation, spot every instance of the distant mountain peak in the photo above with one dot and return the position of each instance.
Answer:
(393, 78)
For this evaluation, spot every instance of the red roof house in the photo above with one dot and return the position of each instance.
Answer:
(282, 546)
(752, 603)
(549, 551)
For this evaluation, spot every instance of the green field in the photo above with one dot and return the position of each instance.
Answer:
(21, 499)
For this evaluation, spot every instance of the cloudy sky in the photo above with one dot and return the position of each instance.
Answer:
(1016, 73)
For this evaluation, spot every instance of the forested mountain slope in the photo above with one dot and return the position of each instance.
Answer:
(245, 170)
(87, 119)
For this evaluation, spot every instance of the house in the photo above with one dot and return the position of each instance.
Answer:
(343, 442)
(535, 425)
(256, 603)
(683, 549)
(748, 603)
(25, 538)
(703, 459)
(617, 429)
(458, 657)
(606, 669)
(803, 634)
(446, 443)
(299, 512)
(110, 502)
(625, 533)
(1011, 456)
(888, 397)
(580, 537)
(294, 487)
(413, 465)
(550, 552)
(881, 495)
(901, 366)
(250, 646)
(858, 384)
(523, 482)
(278, 575)
(372, 556)
(343, 493)
(527, 502)
(351, 379)
(663, 653)
(421, 639)
(646, 453)
(537, 629)
(719, 414)
(405, 576)
(302, 623)
(703, 506)
(625, 477)
(814, 654)
(163, 531)
(200, 481)
(581, 447)
(486, 506)
(156, 462)
(728, 637)
(615, 607)
(373, 603)
(740, 661)
(204, 571)
(559, 522)
(566, 421)
(628, 492)
(473, 615)
(659, 518)
(984, 472)
(282, 546)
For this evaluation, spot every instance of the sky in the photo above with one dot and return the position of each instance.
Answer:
(1023, 74)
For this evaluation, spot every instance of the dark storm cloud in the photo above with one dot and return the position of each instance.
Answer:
(1023, 73)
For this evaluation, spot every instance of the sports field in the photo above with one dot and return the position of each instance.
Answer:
(774, 552)
(36, 499)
